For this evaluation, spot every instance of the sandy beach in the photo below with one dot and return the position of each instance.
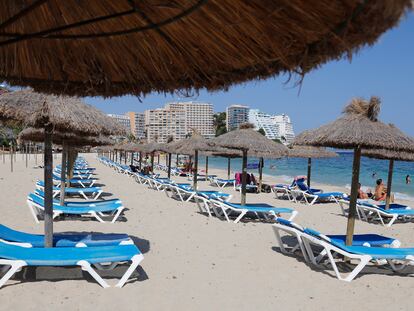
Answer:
(193, 262)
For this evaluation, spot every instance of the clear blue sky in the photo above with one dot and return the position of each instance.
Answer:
(385, 69)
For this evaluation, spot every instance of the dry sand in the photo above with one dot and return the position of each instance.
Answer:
(193, 262)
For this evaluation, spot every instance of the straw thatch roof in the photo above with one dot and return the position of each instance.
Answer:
(246, 138)
(358, 126)
(141, 46)
(189, 145)
(38, 135)
(310, 152)
(389, 155)
(66, 114)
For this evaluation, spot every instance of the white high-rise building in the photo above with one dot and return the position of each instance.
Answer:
(286, 132)
(164, 122)
(137, 122)
(236, 115)
(124, 120)
(198, 117)
(264, 121)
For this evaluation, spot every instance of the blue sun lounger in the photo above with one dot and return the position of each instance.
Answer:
(63, 239)
(222, 208)
(84, 183)
(76, 174)
(297, 231)
(36, 206)
(17, 257)
(83, 203)
(311, 196)
(94, 192)
(396, 258)
(372, 213)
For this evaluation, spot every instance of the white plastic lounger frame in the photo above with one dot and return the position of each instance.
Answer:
(282, 192)
(17, 265)
(226, 210)
(183, 194)
(330, 251)
(292, 231)
(37, 210)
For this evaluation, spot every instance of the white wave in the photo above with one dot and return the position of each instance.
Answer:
(403, 196)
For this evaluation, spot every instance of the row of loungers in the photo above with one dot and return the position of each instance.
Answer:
(330, 250)
(88, 251)
(316, 248)
(213, 203)
(369, 211)
(300, 192)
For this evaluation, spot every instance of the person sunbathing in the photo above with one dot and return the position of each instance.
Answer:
(380, 192)
(361, 193)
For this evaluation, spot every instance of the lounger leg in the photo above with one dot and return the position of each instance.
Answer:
(15, 265)
(86, 266)
(190, 197)
(240, 216)
(134, 264)
(33, 211)
(97, 195)
(393, 219)
(294, 213)
(118, 213)
(94, 214)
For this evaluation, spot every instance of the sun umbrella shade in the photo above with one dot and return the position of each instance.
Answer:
(310, 152)
(246, 138)
(66, 114)
(358, 126)
(141, 46)
(38, 135)
(388, 155)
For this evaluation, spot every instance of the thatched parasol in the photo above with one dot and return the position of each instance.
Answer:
(70, 139)
(310, 152)
(247, 140)
(358, 128)
(113, 48)
(190, 146)
(391, 156)
(53, 113)
(67, 114)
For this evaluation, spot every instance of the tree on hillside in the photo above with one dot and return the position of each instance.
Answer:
(262, 131)
(219, 123)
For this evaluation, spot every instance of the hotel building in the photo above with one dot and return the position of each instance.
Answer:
(236, 115)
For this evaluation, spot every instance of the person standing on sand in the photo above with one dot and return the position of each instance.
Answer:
(408, 179)
(380, 192)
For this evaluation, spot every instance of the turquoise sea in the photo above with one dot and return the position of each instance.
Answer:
(332, 171)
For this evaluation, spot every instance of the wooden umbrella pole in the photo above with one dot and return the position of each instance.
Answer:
(48, 167)
(11, 158)
(152, 162)
(176, 161)
(309, 171)
(26, 152)
(132, 158)
(389, 184)
(63, 175)
(354, 195)
(206, 168)
(125, 157)
(244, 178)
(169, 165)
(195, 172)
(35, 155)
(228, 167)
(140, 160)
(4, 156)
(261, 164)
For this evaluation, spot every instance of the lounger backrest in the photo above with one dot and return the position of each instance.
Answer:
(289, 223)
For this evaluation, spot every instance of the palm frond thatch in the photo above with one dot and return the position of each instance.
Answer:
(70, 139)
(248, 139)
(310, 152)
(388, 155)
(358, 126)
(187, 45)
(66, 114)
